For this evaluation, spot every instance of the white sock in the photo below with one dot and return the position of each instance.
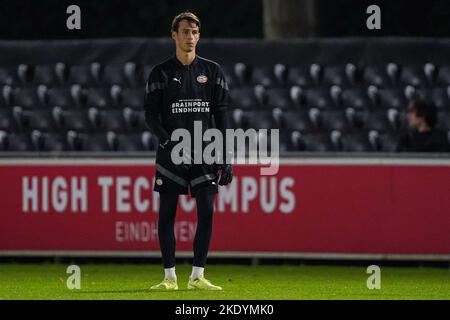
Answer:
(170, 273)
(197, 272)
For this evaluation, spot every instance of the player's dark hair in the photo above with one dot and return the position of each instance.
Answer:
(189, 16)
(425, 109)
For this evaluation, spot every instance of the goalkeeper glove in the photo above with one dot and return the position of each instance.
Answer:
(226, 174)
(186, 158)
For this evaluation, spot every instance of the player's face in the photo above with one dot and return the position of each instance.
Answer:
(187, 36)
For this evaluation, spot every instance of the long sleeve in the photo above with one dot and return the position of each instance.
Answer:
(153, 101)
(221, 108)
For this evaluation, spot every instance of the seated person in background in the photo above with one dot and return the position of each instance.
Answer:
(422, 135)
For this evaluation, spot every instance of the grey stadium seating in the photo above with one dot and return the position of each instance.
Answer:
(100, 107)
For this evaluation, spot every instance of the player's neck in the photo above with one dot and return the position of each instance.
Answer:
(185, 58)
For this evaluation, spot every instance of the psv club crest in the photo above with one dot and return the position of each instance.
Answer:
(202, 78)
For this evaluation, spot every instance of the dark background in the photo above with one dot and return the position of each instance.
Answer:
(39, 19)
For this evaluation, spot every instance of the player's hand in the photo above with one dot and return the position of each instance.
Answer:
(168, 145)
(186, 158)
(226, 174)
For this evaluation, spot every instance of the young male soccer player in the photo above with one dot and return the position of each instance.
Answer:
(179, 91)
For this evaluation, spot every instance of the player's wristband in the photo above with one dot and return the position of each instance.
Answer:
(164, 144)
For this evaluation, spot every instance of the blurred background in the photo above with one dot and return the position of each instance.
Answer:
(360, 178)
(225, 19)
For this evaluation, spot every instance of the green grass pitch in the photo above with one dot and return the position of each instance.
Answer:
(290, 282)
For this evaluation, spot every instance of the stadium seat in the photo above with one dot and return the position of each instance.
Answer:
(279, 98)
(67, 96)
(133, 119)
(3, 140)
(430, 70)
(99, 98)
(443, 120)
(140, 141)
(42, 120)
(299, 76)
(298, 96)
(264, 75)
(77, 120)
(8, 75)
(439, 97)
(51, 74)
(295, 141)
(262, 119)
(112, 120)
(281, 73)
(74, 142)
(105, 141)
(85, 75)
(19, 142)
(388, 141)
(7, 96)
(242, 73)
(357, 142)
(25, 73)
(296, 120)
(333, 120)
(317, 142)
(381, 75)
(319, 98)
(31, 97)
(236, 117)
(314, 117)
(229, 75)
(123, 74)
(137, 120)
(244, 98)
(261, 95)
(316, 72)
(381, 120)
(52, 141)
(356, 98)
(132, 73)
(393, 98)
(355, 117)
(414, 75)
(241, 119)
(114, 74)
(7, 121)
(245, 119)
(443, 77)
(133, 97)
(96, 142)
(341, 75)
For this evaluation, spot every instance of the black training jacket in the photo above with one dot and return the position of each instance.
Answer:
(177, 95)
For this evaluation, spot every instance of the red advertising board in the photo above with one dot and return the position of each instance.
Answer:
(363, 206)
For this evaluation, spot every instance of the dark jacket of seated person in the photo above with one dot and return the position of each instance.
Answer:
(422, 135)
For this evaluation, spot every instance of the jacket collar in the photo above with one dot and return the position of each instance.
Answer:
(179, 64)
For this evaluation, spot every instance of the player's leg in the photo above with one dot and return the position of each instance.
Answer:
(166, 222)
(205, 211)
(205, 208)
(170, 181)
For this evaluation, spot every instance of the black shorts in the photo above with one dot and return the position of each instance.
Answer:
(171, 178)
